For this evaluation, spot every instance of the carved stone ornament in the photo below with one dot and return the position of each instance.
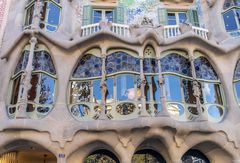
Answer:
(211, 2)
(185, 27)
(147, 22)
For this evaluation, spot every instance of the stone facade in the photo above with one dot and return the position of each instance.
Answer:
(60, 137)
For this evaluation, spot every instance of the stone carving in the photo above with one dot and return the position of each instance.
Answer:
(185, 27)
(147, 22)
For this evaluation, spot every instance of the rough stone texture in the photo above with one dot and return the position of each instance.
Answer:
(60, 133)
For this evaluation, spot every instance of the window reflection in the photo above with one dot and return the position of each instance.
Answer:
(175, 109)
(15, 90)
(97, 95)
(33, 91)
(125, 88)
(215, 111)
(152, 88)
(237, 89)
(188, 91)
(80, 92)
(110, 87)
(47, 90)
(173, 88)
(212, 93)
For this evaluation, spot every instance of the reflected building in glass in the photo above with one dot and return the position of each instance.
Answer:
(120, 81)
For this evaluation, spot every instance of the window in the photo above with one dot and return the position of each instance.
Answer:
(236, 81)
(175, 18)
(194, 156)
(85, 92)
(41, 95)
(50, 14)
(231, 16)
(168, 17)
(99, 15)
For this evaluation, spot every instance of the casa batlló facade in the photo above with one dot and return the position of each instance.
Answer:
(120, 81)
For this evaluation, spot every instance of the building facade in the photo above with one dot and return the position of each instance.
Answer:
(128, 81)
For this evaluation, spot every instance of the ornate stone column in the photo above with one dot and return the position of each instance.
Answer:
(164, 112)
(196, 88)
(103, 87)
(26, 81)
(144, 112)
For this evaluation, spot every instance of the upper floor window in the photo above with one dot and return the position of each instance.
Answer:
(231, 16)
(95, 15)
(50, 14)
(41, 95)
(168, 17)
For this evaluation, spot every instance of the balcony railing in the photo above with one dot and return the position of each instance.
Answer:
(123, 30)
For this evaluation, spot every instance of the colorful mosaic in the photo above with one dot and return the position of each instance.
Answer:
(150, 65)
(204, 69)
(43, 61)
(88, 66)
(177, 64)
(121, 61)
(237, 71)
(22, 63)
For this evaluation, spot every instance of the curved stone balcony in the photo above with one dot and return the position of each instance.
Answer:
(127, 31)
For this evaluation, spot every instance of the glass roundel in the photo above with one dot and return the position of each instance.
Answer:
(41, 95)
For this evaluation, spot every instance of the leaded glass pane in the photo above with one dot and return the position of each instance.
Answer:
(110, 86)
(237, 71)
(230, 21)
(22, 63)
(204, 69)
(88, 66)
(47, 90)
(173, 88)
(150, 65)
(148, 88)
(54, 14)
(32, 93)
(175, 109)
(215, 111)
(80, 92)
(80, 110)
(212, 93)
(188, 91)
(177, 64)
(125, 87)
(15, 90)
(156, 89)
(237, 89)
(43, 61)
(97, 96)
(121, 61)
(125, 108)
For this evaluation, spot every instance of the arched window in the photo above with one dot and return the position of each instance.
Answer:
(176, 69)
(195, 156)
(231, 16)
(212, 93)
(147, 155)
(50, 14)
(101, 156)
(236, 81)
(43, 78)
(123, 84)
(85, 92)
(152, 87)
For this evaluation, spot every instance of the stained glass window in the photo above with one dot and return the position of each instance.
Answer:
(40, 95)
(204, 69)
(121, 61)
(150, 65)
(88, 66)
(177, 64)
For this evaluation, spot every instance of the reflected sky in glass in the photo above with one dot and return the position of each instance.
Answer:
(125, 87)
(47, 90)
(212, 93)
(237, 89)
(215, 111)
(97, 97)
(110, 86)
(173, 88)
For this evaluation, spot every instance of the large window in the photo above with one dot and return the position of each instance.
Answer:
(231, 17)
(50, 14)
(85, 92)
(41, 95)
(102, 14)
(175, 18)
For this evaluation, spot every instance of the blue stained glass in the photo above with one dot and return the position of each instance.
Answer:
(177, 64)
(204, 69)
(22, 63)
(150, 65)
(121, 61)
(88, 66)
(237, 71)
(42, 61)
